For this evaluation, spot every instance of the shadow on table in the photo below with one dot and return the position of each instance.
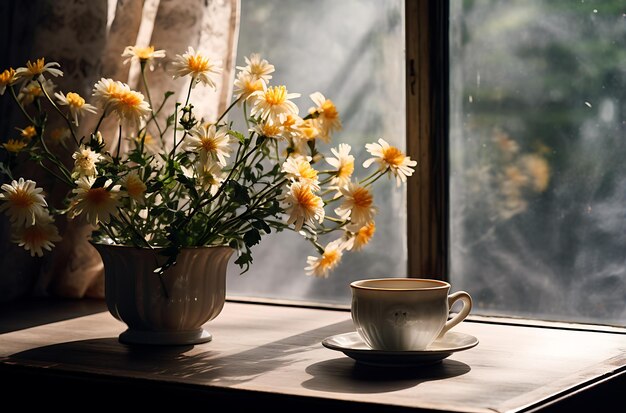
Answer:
(27, 313)
(344, 375)
(194, 365)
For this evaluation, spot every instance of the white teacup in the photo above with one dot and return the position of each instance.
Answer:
(403, 314)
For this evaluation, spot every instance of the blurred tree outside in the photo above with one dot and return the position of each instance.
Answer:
(538, 178)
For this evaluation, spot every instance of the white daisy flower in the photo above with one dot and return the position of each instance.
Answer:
(302, 205)
(322, 265)
(197, 65)
(246, 84)
(7, 78)
(85, 160)
(390, 157)
(37, 237)
(134, 187)
(328, 120)
(94, 204)
(273, 103)
(343, 163)
(32, 90)
(23, 202)
(75, 103)
(210, 144)
(38, 68)
(142, 54)
(358, 204)
(299, 169)
(257, 67)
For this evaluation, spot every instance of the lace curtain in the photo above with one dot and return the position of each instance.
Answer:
(87, 38)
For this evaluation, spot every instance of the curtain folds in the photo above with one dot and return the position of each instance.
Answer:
(87, 39)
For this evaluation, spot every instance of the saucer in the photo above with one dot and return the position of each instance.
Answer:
(352, 345)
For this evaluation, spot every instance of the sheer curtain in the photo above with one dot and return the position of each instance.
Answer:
(87, 39)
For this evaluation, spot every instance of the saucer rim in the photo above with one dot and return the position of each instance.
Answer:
(403, 353)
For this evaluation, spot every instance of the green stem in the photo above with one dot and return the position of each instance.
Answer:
(67, 120)
(227, 110)
(376, 178)
(30, 119)
(189, 91)
(145, 86)
(104, 112)
(119, 144)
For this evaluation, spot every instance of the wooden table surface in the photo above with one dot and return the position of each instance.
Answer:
(277, 351)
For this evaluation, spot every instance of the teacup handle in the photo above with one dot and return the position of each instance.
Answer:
(467, 307)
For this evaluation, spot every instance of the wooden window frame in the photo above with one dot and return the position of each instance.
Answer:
(427, 115)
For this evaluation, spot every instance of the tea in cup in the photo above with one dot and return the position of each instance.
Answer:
(404, 314)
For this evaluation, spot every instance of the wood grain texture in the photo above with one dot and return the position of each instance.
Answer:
(274, 350)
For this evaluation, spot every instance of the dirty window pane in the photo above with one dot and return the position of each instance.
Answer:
(353, 53)
(538, 143)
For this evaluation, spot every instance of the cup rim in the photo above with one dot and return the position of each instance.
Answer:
(440, 284)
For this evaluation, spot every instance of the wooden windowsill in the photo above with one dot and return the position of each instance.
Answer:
(266, 356)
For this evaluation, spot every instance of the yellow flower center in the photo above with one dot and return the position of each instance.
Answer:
(208, 144)
(306, 171)
(7, 77)
(144, 53)
(28, 132)
(84, 161)
(346, 170)
(33, 90)
(276, 95)
(129, 99)
(393, 156)
(253, 85)
(74, 99)
(365, 233)
(198, 63)
(330, 110)
(306, 198)
(362, 198)
(37, 67)
(22, 198)
(113, 90)
(329, 258)
(14, 145)
(289, 122)
(270, 130)
(309, 130)
(34, 235)
(97, 196)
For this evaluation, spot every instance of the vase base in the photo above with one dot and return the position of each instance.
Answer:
(165, 338)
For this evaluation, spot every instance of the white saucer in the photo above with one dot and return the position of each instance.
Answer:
(352, 345)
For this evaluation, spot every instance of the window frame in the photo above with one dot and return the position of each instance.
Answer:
(427, 140)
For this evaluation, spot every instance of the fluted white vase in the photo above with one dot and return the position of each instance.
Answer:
(170, 310)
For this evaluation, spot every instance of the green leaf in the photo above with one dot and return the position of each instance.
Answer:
(239, 136)
(239, 192)
(170, 119)
(189, 184)
(252, 237)
(260, 224)
(244, 261)
(136, 157)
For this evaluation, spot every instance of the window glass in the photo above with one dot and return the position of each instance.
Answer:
(538, 177)
(353, 53)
